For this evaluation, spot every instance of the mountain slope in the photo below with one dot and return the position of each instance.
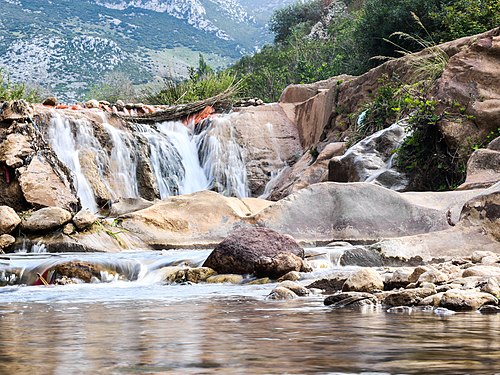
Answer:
(67, 46)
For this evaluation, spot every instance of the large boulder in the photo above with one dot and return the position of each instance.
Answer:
(484, 211)
(9, 220)
(45, 220)
(355, 211)
(483, 169)
(258, 251)
(466, 300)
(42, 187)
(364, 280)
(14, 150)
(371, 160)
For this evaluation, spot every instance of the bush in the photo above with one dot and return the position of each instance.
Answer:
(16, 91)
(115, 86)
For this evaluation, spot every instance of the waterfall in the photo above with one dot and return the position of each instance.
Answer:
(109, 163)
(275, 173)
(63, 142)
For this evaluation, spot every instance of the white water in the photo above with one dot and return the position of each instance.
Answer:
(64, 145)
(181, 161)
(282, 165)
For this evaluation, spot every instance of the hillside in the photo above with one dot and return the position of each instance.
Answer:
(66, 46)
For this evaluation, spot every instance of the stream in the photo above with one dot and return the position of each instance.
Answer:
(148, 327)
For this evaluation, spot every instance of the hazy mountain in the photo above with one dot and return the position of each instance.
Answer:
(66, 45)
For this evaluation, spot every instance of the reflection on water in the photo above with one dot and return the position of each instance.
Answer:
(146, 327)
(239, 335)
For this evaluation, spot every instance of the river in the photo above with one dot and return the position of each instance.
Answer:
(147, 327)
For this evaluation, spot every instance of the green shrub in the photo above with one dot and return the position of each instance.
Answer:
(16, 91)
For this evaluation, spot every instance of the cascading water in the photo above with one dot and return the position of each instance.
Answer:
(275, 174)
(179, 159)
(64, 145)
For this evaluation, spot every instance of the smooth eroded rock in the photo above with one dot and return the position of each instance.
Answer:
(466, 300)
(6, 240)
(45, 220)
(258, 251)
(84, 219)
(364, 280)
(9, 220)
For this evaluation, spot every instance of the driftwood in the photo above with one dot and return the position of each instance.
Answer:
(183, 110)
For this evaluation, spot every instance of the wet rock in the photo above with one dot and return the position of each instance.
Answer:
(280, 293)
(92, 104)
(441, 311)
(489, 310)
(79, 270)
(400, 310)
(290, 276)
(407, 297)
(350, 300)
(84, 219)
(331, 284)
(9, 220)
(432, 300)
(433, 276)
(199, 274)
(400, 278)
(45, 220)
(261, 281)
(50, 101)
(42, 187)
(14, 149)
(364, 280)
(362, 257)
(294, 287)
(228, 279)
(259, 251)
(370, 161)
(6, 240)
(466, 300)
(482, 271)
(174, 274)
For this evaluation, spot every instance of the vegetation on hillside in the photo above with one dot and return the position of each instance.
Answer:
(16, 91)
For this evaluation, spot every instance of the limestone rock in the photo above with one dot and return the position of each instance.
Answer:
(84, 219)
(199, 274)
(364, 280)
(407, 297)
(290, 276)
(344, 212)
(18, 110)
(477, 256)
(433, 276)
(483, 169)
(14, 150)
(9, 220)
(228, 279)
(42, 187)
(257, 251)
(466, 300)
(484, 211)
(483, 271)
(45, 220)
(174, 274)
(6, 240)
(202, 218)
(491, 286)
(92, 104)
(371, 161)
(69, 229)
(400, 278)
(294, 287)
(281, 293)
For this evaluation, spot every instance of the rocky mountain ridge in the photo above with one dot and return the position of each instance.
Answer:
(66, 47)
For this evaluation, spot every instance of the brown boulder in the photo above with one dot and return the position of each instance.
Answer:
(466, 300)
(42, 187)
(15, 111)
(483, 169)
(364, 280)
(6, 240)
(9, 220)
(484, 211)
(407, 297)
(258, 251)
(50, 101)
(45, 219)
(14, 149)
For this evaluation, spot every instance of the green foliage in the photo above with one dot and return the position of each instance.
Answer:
(284, 21)
(203, 83)
(115, 86)
(16, 91)
(461, 18)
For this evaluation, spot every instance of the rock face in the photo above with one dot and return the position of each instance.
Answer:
(14, 149)
(484, 211)
(203, 218)
(9, 220)
(42, 187)
(371, 161)
(258, 251)
(334, 211)
(483, 169)
(15, 111)
(46, 219)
